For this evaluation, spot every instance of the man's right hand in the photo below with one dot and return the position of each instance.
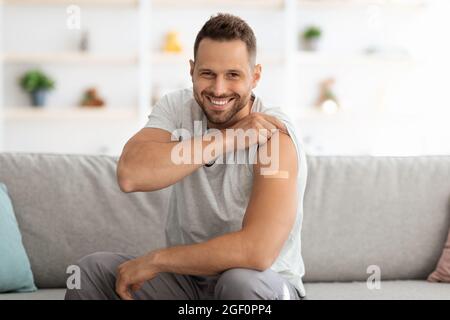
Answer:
(146, 163)
(256, 128)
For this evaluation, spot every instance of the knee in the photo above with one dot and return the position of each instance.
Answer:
(94, 268)
(96, 262)
(240, 284)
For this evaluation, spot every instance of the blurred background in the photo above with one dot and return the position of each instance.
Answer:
(357, 77)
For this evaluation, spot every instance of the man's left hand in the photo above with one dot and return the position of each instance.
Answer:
(133, 274)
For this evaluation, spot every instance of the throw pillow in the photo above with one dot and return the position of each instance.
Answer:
(15, 270)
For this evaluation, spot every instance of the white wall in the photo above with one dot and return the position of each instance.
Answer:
(400, 109)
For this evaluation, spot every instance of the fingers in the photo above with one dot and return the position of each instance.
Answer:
(277, 123)
(268, 125)
(266, 130)
(122, 289)
(264, 125)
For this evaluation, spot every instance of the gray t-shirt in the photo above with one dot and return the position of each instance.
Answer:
(212, 200)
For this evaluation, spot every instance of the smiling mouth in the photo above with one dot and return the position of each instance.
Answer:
(219, 104)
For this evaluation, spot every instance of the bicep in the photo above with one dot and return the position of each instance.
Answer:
(272, 208)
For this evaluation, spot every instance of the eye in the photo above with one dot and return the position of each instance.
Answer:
(233, 75)
(206, 73)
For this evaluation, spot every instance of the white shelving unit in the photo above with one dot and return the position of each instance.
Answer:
(345, 4)
(69, 58)
(69, 2)
(144, 59)
(15, 115)
(55, 113)
(139, 59)
(175, 58)
(265, 4)
(320, 58)
(18, 117)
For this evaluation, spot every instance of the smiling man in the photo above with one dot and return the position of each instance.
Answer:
(233, 227)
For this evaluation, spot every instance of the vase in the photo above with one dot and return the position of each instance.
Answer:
(38, 98)
(311, 44)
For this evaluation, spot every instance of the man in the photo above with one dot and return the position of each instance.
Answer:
(233, 230)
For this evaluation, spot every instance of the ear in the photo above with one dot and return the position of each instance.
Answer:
(192, 64)
(256, 75)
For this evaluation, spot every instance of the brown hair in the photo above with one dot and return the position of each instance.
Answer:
(224, 27)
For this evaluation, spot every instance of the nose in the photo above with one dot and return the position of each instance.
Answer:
(219, 87)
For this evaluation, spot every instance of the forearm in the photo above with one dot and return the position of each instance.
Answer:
(149, 165)
(214, 256)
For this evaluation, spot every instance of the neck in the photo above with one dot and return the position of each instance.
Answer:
(238, 116)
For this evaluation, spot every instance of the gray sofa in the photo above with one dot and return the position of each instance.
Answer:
(392, 212)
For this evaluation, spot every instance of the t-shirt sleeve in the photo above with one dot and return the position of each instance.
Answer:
(163, 116)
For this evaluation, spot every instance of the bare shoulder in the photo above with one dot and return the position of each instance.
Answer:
(278, 155)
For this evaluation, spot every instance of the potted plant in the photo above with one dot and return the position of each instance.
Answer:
(36, 83)
(311, 36)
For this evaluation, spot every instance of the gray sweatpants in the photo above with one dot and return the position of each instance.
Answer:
(98, 279)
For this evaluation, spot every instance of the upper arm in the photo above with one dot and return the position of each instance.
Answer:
(151, 134)
(272, 208)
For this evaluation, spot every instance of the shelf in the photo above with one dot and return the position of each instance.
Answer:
(341, 4)
(169, 58)
(70, 57)
(183, 58)
(89, 58)
(66, 113)
(268, 4)
(322, 58)
(72, 2)
(316, 115)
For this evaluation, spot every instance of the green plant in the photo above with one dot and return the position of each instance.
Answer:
(35, 80)
(312, 32)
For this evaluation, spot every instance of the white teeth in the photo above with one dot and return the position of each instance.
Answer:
(219, 102)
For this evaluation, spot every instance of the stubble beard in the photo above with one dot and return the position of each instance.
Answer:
(222, 117)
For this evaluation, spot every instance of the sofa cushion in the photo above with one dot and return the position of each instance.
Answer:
(69, 206)
(389, 290)
(442, 272)
(15, 272)
(392, 212)
(359, 211)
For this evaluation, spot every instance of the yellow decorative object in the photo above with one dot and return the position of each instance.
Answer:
(172, 43)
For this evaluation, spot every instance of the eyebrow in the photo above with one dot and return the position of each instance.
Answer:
(231, 70)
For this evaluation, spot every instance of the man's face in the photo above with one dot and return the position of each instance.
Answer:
(223, 79)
